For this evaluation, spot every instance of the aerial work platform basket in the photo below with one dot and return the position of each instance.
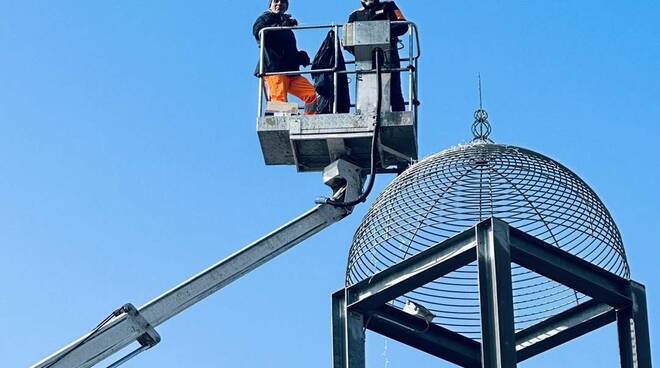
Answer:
(312, 142)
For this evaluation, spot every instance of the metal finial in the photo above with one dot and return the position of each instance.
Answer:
(481, 128)
(481, 99)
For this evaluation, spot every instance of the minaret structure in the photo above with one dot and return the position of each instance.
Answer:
(487, 255)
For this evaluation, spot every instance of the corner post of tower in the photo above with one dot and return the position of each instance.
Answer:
(498, 339)
(348, 334)
(633, 330)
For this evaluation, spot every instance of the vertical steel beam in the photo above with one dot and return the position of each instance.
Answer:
(625, 331)
(338, 332)
(355, 342)
(633, 328)
(498, 348)
(641, 320)
(348, 334)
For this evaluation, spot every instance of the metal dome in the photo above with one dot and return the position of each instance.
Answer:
(450, 192)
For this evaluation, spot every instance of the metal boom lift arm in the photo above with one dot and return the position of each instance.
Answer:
(129, 324)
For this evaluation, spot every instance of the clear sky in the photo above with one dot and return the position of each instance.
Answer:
(129, 162)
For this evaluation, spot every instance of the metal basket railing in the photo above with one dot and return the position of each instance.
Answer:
(411, 68)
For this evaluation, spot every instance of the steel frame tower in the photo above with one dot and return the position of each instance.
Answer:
(494, 245)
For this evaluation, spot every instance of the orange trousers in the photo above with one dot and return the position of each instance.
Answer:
(279, 86)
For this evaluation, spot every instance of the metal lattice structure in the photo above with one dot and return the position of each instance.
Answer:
(450, 192)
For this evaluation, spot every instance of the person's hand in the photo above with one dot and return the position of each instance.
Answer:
(289, 21)
(303, 58)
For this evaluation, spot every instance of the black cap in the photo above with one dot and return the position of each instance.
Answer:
(376, 2)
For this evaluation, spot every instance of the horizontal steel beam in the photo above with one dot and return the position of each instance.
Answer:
(414, 272)
(567, 269)
(465, 352)
(562, 328)
(427, 337)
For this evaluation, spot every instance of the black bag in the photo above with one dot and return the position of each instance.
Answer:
(324, 82)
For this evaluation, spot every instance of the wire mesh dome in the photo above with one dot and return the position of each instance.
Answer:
(450, 192)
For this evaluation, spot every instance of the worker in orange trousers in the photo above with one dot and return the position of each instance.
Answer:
(281, 54)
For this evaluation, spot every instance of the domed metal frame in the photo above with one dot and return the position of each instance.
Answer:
(455, 189)
(479, 292)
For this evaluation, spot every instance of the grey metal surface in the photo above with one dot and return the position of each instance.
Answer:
(150, 337)
(362, 39)
(310, 141)
(239, 264)
(562, 328)
(449, 192)
(366, 96)
(128, 357)
(498, 339)
(117, 335)
(128, 328)
(368, 34)
(343, 175)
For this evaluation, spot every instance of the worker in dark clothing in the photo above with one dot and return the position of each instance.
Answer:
(387, 10)
(281, 54)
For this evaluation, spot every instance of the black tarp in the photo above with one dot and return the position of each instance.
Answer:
(324, 82)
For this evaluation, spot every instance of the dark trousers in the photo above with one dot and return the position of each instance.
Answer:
(396, 95)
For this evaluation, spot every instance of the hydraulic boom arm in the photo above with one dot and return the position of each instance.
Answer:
(128, 324)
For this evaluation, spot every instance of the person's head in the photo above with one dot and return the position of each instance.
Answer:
(369, 3)
(279, 6)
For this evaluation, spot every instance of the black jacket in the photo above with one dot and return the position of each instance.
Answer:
(385, 10)
(281, 51)
(324, 83)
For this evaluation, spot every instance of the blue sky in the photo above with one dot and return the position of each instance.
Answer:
(129, 161)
